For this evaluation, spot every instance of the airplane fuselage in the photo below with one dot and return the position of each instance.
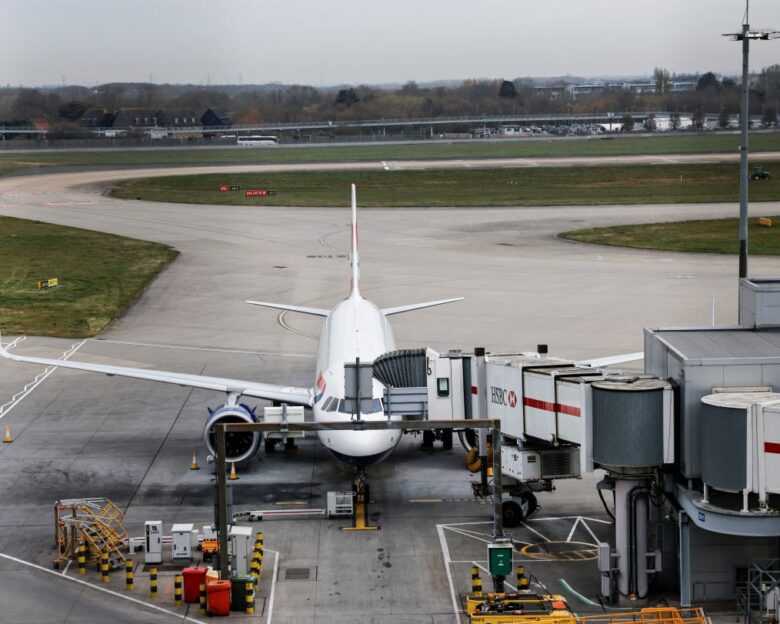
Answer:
(355, 328)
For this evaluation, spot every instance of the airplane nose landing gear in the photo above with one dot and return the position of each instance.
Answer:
(360, 491)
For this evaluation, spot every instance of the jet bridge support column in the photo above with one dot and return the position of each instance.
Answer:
(631, 538)
(481, 387)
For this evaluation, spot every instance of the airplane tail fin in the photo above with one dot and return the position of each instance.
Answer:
(355, 287)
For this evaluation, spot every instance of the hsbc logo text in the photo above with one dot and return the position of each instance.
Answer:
(501, 396)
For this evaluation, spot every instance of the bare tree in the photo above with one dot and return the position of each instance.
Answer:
(661, 79)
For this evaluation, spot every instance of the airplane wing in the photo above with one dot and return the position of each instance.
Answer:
(418, 306)
(613, 359)
(291, 308)
(286, 394)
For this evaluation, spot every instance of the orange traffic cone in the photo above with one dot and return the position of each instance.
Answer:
(7, 439)
(194, 465)
(233, 476)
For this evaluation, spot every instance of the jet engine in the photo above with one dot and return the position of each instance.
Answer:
(238, 445)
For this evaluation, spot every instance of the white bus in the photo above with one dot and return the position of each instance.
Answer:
(254, 141)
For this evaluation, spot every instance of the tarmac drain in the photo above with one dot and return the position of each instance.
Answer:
(560, 551)
(300, 574)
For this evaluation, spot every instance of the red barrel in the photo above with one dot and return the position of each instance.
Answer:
(193, 578)
(218, 597)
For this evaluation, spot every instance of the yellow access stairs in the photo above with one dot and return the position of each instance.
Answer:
(98, 522)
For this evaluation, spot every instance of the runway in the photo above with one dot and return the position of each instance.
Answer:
(83, 435)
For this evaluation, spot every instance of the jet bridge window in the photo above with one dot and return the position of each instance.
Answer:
(443, 386)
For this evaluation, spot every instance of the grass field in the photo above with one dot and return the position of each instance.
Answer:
(596, 146)
(468, 187)
(100, 276)
(715, 236)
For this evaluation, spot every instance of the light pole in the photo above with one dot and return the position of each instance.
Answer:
(745, 35)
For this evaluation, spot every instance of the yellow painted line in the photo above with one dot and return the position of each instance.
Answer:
(290, 503)
(426, 500)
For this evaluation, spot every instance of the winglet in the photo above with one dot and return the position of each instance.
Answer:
(355, 287)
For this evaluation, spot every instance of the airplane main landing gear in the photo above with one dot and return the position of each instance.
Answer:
(361, 493)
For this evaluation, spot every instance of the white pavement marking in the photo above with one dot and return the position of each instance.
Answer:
(385, 166)
(465, 534)
(35, 566)
(550, 519)
(212, 349)
(573, 528)
(544, 537)
(274, 576)
(445, 551)
(589, 530)
(39, 379)
(67, 566)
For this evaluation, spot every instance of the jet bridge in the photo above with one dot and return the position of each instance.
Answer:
(558, 420)
(690, 446)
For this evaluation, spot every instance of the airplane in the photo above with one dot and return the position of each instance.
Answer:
(354, 328)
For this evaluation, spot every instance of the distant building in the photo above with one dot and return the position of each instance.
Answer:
(682, 86)
(97, 118)
(137, 118)
(216, 117)
(173, 118)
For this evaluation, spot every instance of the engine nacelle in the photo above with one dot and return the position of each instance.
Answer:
(238, 446)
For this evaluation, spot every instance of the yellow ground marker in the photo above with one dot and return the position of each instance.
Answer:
(7, 439)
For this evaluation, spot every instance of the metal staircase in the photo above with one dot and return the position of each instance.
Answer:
(97, 522)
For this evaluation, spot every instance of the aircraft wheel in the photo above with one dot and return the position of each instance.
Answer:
(427, 439)
(511, 513)
(446, 438)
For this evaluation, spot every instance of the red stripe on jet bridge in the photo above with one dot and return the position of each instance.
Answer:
(474, 390)
(569, 410)
(537, 404)
(772, 447)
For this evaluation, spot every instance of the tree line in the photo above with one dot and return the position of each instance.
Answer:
(296, 103)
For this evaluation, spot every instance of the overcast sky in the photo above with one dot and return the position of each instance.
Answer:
(323, 42)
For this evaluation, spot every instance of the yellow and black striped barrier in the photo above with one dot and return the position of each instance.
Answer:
(177, 591)
(153, 582)
(203, 599)
(82, 558)
(254, 567)
(250, 598)
(522, 579)
(129, 575)
(104, 567)
(476, 582)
